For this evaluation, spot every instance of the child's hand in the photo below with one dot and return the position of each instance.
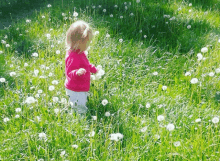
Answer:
(81, 71)
(97, 70)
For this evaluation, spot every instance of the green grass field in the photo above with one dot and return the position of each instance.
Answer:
(162, 81)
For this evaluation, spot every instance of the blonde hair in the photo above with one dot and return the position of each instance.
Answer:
(78, 36)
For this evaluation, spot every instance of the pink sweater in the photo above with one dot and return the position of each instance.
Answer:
(73, 62)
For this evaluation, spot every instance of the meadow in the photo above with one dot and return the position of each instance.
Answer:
(158, 99)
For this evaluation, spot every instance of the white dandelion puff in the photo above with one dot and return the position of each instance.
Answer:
(144, 129)
(198, 120)
(55, 99)
(107, 114)
(204, 50)
(107, 35)
(75, 146)
(104, 102)
(147, 105)
(199, 55)
(55, 82)
(96, 32)
(215, 120)
(58, 52)
(170, 127)
(91, 134)
(30, 100)
(217, 70)
(42, 135)
(164, 88)
(189, 27)
(48, 36)
(120, 40)
(94, 117)
(116, 137)
(160, 118)
(155, 73)
(12, 74)
(6, 119)
(194, 81)
(187, 74)
(75, 14)
(56, 110)
(211, 74)
(51, 88)
(35, 54)
(18, 110)
(2, 80)
(176, 144)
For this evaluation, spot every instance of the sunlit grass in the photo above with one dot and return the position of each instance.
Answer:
(150, 59)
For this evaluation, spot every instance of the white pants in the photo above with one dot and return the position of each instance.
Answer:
(78, 100)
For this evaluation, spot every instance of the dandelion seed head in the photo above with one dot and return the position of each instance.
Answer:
(6, 119)
(75, 14)
(51, 88)
(148, 105)
(198, 120)
(160, 118)
(144, 129)
(12, 74)
(75, 146)
(194, 81)
(189, 27)
(199, 55)
(18, 110)
(215, 120)
(204, 50)
(107, 114)
(91, 134)
(170, 127)
(176, 144)
(187, 74)
(104, 102)
(217, 70)
(211, 74)
(116, 137)
(94, 117)
(164, 88)
(107, 35)
(2, 80)
(55, 82)
(35, 54)
(155, 73)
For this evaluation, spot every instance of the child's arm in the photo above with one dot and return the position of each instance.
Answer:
(72, 66)
(93, 69)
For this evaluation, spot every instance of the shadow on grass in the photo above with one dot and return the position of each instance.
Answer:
(14, 10)
(206, 5)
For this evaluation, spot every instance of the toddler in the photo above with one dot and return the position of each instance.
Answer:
(77, 66)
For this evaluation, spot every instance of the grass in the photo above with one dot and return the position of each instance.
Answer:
(169, 48)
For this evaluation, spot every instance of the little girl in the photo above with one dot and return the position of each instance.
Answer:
(77, 66)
